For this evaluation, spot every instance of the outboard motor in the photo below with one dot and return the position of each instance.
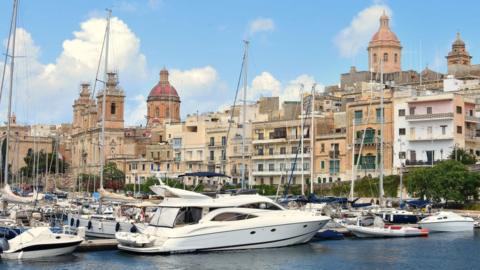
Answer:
(4, 245)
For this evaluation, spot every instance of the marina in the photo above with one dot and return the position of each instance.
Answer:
(458, 251)
(380, 170)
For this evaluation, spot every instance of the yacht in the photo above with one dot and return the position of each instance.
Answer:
(230, 222)
(39, 242)
(447, 222)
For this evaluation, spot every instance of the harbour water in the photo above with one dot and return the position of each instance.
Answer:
(437, 251)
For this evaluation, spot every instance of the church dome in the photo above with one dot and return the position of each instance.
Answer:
(163, 89)
(384, 34)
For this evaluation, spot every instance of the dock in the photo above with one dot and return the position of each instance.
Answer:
(97, 244)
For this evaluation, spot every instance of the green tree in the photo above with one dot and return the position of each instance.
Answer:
(113, 177)
(37, 162)
(450, 180)
(460, 154)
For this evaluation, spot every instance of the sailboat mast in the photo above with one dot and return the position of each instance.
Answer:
(244, 112)
(104, 96)
(354, 166)
(312, 136)
(12, 63)
(301, 139)
(382, 121)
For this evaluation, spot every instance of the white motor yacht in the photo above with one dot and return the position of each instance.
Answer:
(236, 222)
(39, 242)
(447, 222)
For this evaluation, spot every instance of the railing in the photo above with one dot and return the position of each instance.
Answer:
(334, 154)
(429, 116)
(420, 162)
(472, 119)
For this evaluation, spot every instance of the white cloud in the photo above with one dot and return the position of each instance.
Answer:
(261, 25)
(57, 83)
(135, 115)
(266, 84)
(357, 35)
(195, 81)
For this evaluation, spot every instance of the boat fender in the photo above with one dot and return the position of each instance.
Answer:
(78, 223)
(72, 221)
(391, 217)
(4, 244)
(117, 227)
(133, 229)
(89, 226)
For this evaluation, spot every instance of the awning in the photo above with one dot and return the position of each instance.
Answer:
(204, 174)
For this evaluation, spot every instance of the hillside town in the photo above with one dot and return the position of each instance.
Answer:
(427, 116)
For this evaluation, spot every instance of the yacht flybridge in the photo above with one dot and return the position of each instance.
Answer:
(182, 224)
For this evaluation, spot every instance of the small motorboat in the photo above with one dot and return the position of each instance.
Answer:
(38, 242)
(447, 222)
(387, 231)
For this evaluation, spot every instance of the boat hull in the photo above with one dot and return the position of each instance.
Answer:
(262, 237)
(448, 226)
(100, 228)
(39, 251)
(373, 232)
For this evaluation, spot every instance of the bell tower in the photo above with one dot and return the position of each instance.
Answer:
(114, 103)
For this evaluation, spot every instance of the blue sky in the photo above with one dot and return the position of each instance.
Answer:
(298, 41)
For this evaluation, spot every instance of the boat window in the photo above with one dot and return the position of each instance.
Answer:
(188, 215)
(164, 217)
(261, 205)
(230, 216)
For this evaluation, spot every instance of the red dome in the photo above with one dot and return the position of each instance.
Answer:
(163, 89)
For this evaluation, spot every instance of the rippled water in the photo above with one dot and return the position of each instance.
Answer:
(438, 251)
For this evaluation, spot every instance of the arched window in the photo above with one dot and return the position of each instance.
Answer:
(385, 57)
(157, 112)
(396, 58)
(113, 108)
(374, 58)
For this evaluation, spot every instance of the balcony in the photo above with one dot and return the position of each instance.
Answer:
(419, 163)
(472, 119)
(429, 116)
(334, 154)
(367, 141)
(430, 138)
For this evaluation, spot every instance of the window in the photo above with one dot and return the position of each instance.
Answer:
(224, 155)
(374, 58)
(212, 155)
(294, 150)
(322, 164)
(260, 151)
(401, 155)
(401, 131)
(379, 114)
(143, 167)
(459, 109)
(412, 110)
(395, 58)
(157, 112)
(459, 129)
(470, 112)
(322, 147)
(385, 57)
(260, 167)
(283, 150)
(232, 217)
(429, 110)
(270, 151)
(282, 167)
(224, 140)
(260, 136)
(271, 167)
(444, 129)
(334, 166)
(429, 131)
(212, 141)
(401, 112)
(358, 117)
(113, 108)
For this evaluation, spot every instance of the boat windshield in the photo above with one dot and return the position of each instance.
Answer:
(188, 215)
(230, 216)
(261, 205)
(164, 217)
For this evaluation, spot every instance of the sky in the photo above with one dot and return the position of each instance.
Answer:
(201, 43)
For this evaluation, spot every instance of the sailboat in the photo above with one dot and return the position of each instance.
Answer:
(7, 193)
(103, 224)
(36, 242)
